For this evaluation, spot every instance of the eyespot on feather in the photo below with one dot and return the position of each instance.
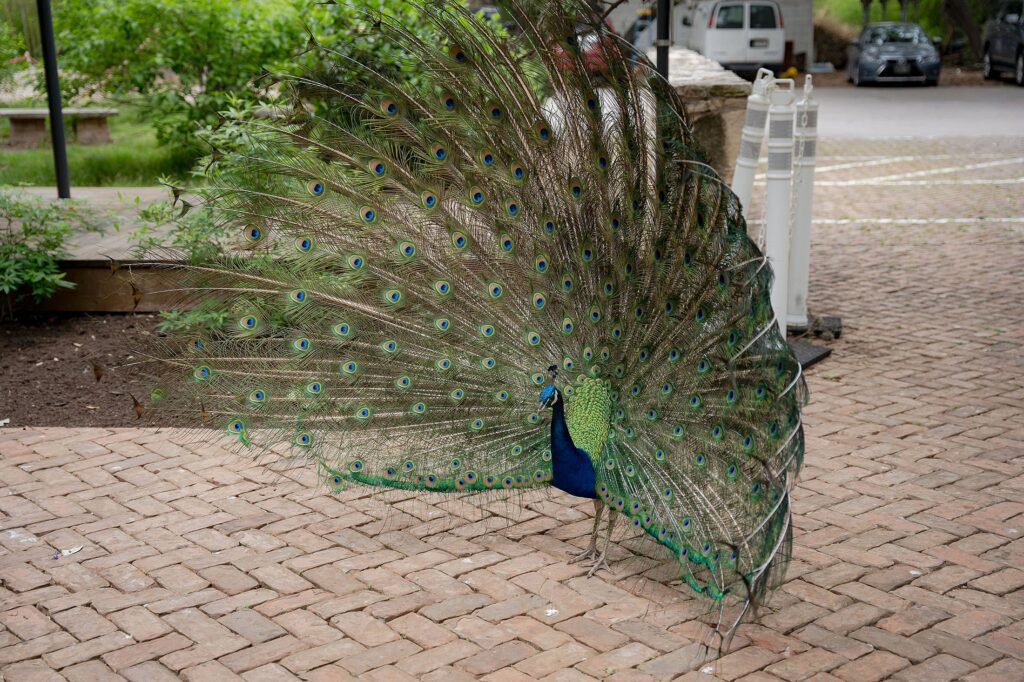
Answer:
(389, 107)
(367, 214)
(252, 234)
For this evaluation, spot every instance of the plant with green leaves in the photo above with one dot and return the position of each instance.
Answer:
(191, 60)
(34, 236)
(185, 57)
(11, 48)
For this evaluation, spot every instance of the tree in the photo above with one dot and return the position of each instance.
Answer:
(185, 57)
(193, 59)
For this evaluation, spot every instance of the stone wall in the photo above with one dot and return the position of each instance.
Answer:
(716, 101)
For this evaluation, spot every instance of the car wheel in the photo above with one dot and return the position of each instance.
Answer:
(986, 65)
(1018, 71)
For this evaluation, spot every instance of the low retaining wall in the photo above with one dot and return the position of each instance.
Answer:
(716, 101)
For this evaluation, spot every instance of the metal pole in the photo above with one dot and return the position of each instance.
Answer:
(60, 154)
(662, 37)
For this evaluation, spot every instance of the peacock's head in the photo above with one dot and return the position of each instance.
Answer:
(549, 395)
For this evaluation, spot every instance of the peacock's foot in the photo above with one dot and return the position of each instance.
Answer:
(587, 554)
(599, 563)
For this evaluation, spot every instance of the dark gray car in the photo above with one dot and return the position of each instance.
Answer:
(1004, 42)
(893, 52)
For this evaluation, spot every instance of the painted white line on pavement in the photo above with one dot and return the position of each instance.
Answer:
(866, 161)
(922, 183)
(932, 171)
(919, 221)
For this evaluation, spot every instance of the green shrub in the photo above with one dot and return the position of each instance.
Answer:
(11, 47)
(191, 59)
(33, 239)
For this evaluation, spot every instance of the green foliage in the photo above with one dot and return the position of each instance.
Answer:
(11, 47)
(33, 239)
(930, 14)
(196, 235)
(191, 60)
(186, 57)
(196, 319)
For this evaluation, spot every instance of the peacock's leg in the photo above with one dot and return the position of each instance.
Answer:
(591, 551)
(602, 561)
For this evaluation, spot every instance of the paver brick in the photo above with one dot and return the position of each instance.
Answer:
(438, 656)
(145, 651)
(91, 671)
(423, 631)
(593, 634)
(27, 622)
(501, 656)
(879, 665)
(628, 656)
(261, 654)
(252, 625)
(140, 623)
(378, 656)
(364, 628)
(84, 623)
(200, 564)
(941, 668)
(31, 671)
(76, 653)
(553, 660)
(906, 647)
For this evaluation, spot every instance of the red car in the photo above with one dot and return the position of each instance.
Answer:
(593, 47)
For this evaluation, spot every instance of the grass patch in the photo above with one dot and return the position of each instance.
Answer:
(133, 159)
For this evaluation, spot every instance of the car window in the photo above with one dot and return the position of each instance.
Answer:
(881, 35)
(730, 16)
(762, 16)
(1013, 11)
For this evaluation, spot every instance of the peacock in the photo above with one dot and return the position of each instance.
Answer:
(514, 269)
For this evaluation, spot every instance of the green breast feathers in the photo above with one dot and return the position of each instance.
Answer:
(588, 412)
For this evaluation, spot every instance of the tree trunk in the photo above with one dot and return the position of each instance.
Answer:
(959, 14)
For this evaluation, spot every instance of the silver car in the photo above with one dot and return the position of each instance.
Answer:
(893, 52)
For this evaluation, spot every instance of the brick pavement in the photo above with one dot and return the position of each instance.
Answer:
(198, 564)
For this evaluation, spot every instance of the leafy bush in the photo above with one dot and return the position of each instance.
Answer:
(33, 239)
(193, 59)
(11, 47)
(185, 56)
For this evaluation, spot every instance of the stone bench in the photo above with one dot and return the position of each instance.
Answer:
(28, 126)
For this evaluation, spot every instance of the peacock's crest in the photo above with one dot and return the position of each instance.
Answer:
(420, 255)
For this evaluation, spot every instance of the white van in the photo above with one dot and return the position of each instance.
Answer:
(741, 35)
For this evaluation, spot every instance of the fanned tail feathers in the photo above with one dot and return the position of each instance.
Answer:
(416, 257)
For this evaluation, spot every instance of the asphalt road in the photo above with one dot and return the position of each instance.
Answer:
(887, 111)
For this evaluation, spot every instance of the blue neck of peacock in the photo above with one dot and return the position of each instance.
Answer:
(561, 440)
(571, 468)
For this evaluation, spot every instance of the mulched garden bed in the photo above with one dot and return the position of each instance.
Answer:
(49, 368)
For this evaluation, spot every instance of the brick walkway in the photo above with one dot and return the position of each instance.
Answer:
(197, 563)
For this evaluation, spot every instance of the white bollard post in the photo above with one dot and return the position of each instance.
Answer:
(803, 197)
(777, 197)
(751, 139)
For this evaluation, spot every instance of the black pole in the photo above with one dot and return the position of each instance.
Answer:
(60, 154)
(664, 13)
